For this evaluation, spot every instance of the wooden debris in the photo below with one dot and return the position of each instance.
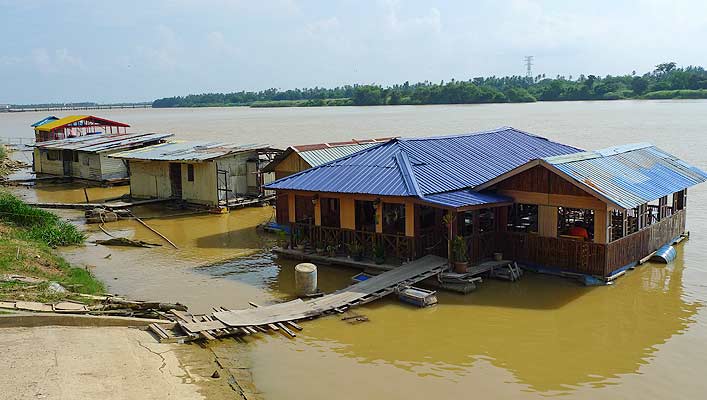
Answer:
(121, 241)
(156, 232)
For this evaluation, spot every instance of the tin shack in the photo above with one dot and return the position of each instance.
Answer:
(86, 157)
(213, 174)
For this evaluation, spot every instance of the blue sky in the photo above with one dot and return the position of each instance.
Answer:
(109, 51)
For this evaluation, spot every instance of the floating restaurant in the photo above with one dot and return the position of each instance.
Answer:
(212, 174)
(86, 157)
(500, 193)
(53, 128)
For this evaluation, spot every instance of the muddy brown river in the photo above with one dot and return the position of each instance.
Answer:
(644, 337)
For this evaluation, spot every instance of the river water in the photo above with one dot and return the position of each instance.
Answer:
(644, 337)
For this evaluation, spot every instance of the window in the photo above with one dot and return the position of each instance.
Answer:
(523, 218)
(190, 172)
(486, 220)
(365, 214)
(75, 156)
(53, 155)
(394, 218)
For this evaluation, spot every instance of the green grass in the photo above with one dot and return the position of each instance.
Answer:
(677, 94)
(38, 224)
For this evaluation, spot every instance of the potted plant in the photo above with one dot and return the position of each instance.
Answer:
(282, 239)
(331, 250)
(379, 253)
(355, 251)
(299, 240)
(319, 247)
(461, 262)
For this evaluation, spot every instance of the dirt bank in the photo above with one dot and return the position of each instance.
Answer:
(104, 363)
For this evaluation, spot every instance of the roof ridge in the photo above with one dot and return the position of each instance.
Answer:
(478, 133)
(401, 158)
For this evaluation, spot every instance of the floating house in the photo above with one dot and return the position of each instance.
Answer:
(298, 158)
(86, 157)
(535, 201)
(53, 128)
(206, 173)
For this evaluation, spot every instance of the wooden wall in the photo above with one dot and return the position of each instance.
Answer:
(203, 189)
(290, 165)
(541, 180)
(150, 179)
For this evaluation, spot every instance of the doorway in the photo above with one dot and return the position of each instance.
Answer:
(175, 179)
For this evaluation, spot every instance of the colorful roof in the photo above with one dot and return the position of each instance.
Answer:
(44, 121)
(102, 143)
(424, 166)
(321, 153)
(180, 150)
(78, 120)
(629, 175)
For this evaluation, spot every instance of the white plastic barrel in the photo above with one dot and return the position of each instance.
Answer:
(305, 279)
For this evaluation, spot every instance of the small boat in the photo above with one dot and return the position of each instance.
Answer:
(417, 297)
(664, 254)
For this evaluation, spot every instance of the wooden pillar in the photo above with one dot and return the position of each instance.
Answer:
(475, 222)
(347, 213)
(379, 217)
(318, 212)
(547, 221)
(601, 226)
(409, 219)
(291, 207)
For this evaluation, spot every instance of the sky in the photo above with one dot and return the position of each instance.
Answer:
(115, 51)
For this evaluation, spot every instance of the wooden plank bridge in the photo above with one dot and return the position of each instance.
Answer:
(111, 205)
(279, 317)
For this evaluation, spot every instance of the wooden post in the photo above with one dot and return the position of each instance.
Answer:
(409, 219)
(600, 226)
(291, 207)
(318, 212)
(547, 221)
(501, 218)
(379, 217)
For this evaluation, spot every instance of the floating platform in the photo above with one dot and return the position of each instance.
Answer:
(279, 316)
(417, 297)
(113, 205)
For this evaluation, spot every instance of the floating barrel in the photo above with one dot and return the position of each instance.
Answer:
(305, 279)
(664, 254)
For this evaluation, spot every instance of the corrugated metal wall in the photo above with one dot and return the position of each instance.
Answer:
(150, 179)
(112, 168)
(203, 189)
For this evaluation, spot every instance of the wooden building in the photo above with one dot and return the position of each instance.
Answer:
(53, 128)
(86, 157)
(298, 158)
(206, 173)
(538, 202)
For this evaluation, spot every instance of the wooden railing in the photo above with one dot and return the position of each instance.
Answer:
(400, 247)
(637, 245)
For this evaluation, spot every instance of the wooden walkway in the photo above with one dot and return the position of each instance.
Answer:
(113, 205)
(276, 316)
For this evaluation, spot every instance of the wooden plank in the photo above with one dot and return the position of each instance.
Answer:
(286, 330)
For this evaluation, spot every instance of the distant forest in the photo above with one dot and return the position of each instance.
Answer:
(666, 81)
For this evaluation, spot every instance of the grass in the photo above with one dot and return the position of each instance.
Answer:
(38, 224)
(27, 238)
(677, 94)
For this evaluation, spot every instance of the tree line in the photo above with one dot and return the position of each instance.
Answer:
(666, 81)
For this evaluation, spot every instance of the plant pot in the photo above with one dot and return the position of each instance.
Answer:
(461, 267)
(498, 256)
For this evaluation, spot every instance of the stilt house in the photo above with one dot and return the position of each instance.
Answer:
(86, 157)
(501, 191)
(207, 173)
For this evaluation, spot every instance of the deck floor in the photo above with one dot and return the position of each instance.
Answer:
(354, 295)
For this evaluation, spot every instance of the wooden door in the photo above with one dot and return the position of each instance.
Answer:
(175, 179)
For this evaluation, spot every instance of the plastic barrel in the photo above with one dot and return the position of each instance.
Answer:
(305, 279)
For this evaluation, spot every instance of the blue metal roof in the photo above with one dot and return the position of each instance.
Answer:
(44, 121)
(422, 166)
(629, 175)
(465, 198)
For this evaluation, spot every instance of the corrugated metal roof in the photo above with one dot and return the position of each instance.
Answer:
(465, 198)
(322, 156)
(71, 119)
(102, 143)
(179, 150)
(44, 121)
(436, 164)
(629, 175)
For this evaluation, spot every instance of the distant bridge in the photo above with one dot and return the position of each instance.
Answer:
(72, 108)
